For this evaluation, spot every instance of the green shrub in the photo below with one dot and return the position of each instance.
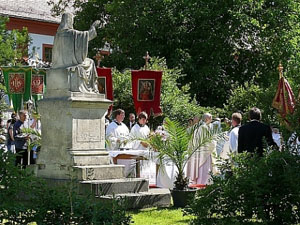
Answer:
(252, 190)
(25, 198)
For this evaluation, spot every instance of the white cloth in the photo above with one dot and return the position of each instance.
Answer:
(116, 135)
(148, 167)
(233, 139)
(139, 132)
(166, 175)
(277, 138)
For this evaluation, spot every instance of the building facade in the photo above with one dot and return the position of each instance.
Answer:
(36, 16)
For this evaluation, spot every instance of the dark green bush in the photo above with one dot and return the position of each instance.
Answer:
(252, 190)
(25, 198)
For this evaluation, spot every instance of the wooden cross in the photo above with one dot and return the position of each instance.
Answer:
(280, 69)
(98, 58)
(146, 57)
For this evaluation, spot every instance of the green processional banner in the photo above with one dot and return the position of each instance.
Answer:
(23, 84)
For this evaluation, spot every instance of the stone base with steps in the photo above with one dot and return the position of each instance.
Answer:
(73, 145)
(156, 197)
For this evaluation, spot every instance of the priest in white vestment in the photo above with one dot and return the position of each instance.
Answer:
(117, 136)
(201, 163)
(141, 131)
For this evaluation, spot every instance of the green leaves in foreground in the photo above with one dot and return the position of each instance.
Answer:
(252, 190)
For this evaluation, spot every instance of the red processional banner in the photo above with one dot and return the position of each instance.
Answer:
(16, 83)
(37, 84)
(105, 85)
(146, 86)
(284, 100)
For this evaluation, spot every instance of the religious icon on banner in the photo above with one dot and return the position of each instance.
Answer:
(16, 82)
(102, 85)
(37, 84)
(146, 89)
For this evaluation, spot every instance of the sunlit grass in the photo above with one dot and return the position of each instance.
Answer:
(159, 216)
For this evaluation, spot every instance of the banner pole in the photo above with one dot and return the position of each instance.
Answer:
(280, 69)
(147, 58)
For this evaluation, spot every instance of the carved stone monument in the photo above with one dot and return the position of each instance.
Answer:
(72, 112)
(73, 132)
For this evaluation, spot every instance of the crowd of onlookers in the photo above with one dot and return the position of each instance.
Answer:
(15, 140)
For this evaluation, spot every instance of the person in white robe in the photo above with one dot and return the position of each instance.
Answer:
(141, 131)
(276, 136)
(236, 120)
(201, 163)
(117, 136)
(117, 133)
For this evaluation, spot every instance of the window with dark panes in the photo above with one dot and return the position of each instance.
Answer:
(47, 53)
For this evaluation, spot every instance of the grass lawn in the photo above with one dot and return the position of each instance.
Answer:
(162, 216)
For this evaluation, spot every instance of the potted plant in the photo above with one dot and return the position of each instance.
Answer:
(178, 145)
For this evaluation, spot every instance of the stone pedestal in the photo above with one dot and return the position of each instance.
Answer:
(73, 132)
(73, 145)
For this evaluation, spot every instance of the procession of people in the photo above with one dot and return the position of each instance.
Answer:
(202, 164)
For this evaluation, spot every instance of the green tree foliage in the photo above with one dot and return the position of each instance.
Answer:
(217, 43)
(26, 199)
(252, 190)
(13, 44)
(249, 95)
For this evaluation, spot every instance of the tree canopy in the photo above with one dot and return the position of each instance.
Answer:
(218, 44)
(13, 46)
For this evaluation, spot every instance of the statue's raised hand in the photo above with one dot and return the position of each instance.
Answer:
(97, 24)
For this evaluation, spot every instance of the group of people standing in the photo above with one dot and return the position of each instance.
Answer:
(120, 136)
(252, 136)
(17, 141)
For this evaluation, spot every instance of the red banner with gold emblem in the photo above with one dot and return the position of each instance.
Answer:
(146, 85)
(37, 84)
(24, 83)
(16, 83)
(284, 100)
(105, 85)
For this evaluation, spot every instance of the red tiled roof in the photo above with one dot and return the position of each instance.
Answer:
(28, 9)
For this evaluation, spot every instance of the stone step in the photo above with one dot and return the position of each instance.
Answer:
(90, 157)
(156, 197)
(114, 186)
(99, 172)
(80, 160)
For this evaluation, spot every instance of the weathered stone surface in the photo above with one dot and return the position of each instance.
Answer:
(115, 186)
(156, 197)
(73, 130)
(99, 172)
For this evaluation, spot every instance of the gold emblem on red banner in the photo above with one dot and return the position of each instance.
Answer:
(16, 82)
(37, 84)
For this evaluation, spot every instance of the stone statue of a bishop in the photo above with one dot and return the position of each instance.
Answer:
(70, 51)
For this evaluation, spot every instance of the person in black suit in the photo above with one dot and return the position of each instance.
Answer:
(254, 134)
(131, 121)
